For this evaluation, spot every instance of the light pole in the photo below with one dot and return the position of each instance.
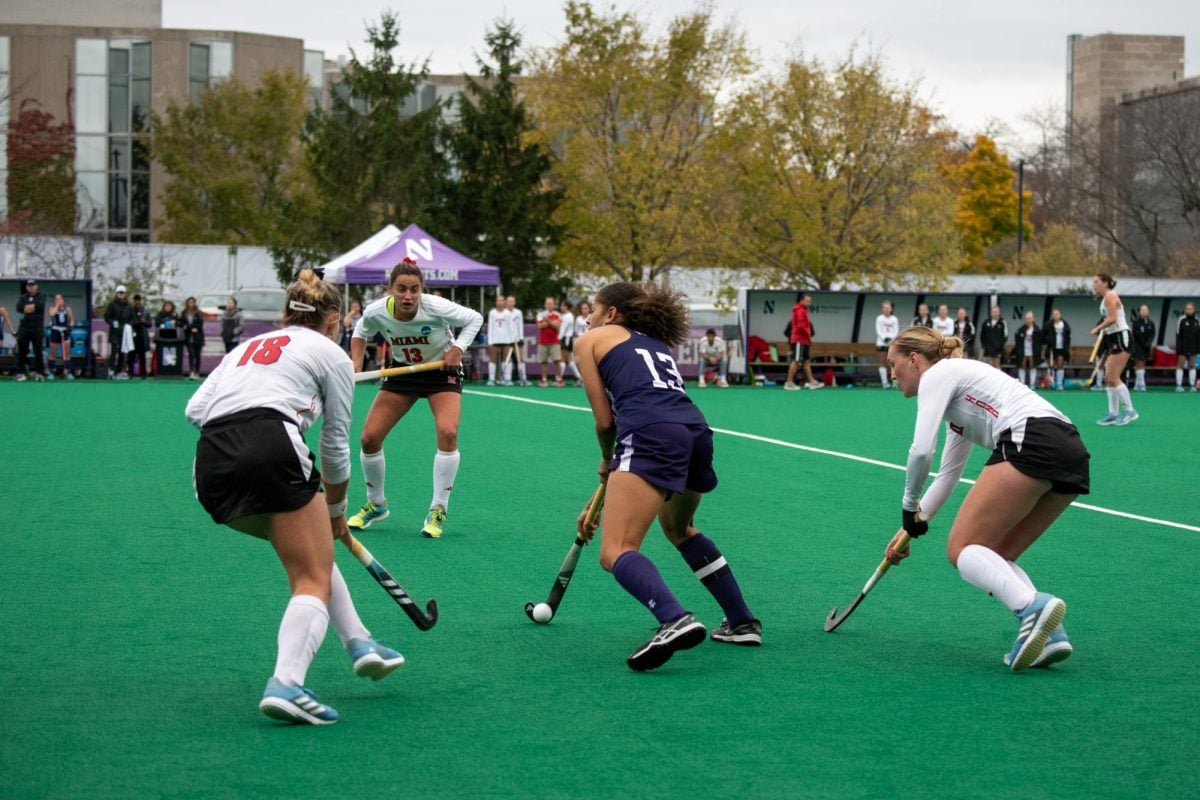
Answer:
(1020, 209)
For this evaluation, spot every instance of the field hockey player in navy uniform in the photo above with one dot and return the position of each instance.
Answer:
(656, 456)
(418, 328)
(62, 319)
(254, 473)
(1037, 468)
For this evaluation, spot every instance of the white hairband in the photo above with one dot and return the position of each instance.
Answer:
(296, 305)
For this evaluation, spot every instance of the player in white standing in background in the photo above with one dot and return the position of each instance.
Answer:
(1037, 468)
(583, 324)
(1027, 349)
(1117, 343)
(498, 331)
(943, 323)
(567, 332)
(418, 327)
(254, 473)
(1057, 338)
(516, 333)
(887, 327)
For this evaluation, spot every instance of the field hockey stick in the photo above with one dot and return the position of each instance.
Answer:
(1096, 348)
(391, 372)
(422, 619)
(568, 565)
(834, 619)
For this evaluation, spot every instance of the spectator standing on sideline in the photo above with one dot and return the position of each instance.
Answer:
(965, 329)
(582, 322)
(349, 320)
(498, 342)
(549, 347)
(141, 322)
(1187, 345)
(192, 322)
(800, 336)
(1144, 335)
(712, 350)
(62, 319)
(1058, 347)
(566, 331)
(32, 307)
(1028, 348)
(993, 336)
(231, 325)
(922, 319)
(942, 323)
(516, 321)
(118, 316)
(167, 316)
(887, 327)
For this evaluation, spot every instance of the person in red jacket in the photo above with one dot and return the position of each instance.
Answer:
(800, 335)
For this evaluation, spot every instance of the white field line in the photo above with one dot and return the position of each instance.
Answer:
(848, 456)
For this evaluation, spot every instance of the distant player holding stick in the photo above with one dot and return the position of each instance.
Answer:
(656, 457)
(1117, 345)
(418, 328)
(1037, 468)
(254, 473)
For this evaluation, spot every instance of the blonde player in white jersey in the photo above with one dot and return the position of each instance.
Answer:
(499, 343)
(887, 327)
(417, 328)
(254, 473)
(1117, 344)
(1037, 468)
(516, 334)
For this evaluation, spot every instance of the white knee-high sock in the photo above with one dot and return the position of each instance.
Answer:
(883, 377)
(1022, 574)
(1114, 400)
(374, 467)
(521, 370)
(1059, 374)
(1123, 396)
(1179, 377)
(987, 570)
(342, 613)
(445, 467)
(1021, 374)
(506, 371)
(1033, 378)
(573, 370)
(1192, 376)
(300, 634)
(1141, 378)
(491, 370)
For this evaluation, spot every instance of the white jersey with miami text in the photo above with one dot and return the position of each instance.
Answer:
(425, 337)
(978, 403)
(498, 329)
(296, 371)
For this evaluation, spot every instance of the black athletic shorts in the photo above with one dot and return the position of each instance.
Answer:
(423, 384)
(1064, 354)
(60, 336)
(1116, 343)
(993, 352)
(1050, 450)
(801, 352)
(568, 343)
(253, 462)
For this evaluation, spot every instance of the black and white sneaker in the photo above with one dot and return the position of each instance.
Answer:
(682, 634)
(747, 634)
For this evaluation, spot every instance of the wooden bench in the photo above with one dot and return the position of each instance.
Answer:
(825, 355)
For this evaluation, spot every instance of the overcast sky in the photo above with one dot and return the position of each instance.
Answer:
(976, 62)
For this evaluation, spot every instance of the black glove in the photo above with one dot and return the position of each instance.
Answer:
(913, 525)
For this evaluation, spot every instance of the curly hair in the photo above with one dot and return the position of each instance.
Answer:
(649, 308)
(309, 301)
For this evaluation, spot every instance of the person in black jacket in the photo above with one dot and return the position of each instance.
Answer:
(31, 330)
(141, 322)
(1187, 345)
(992, 336)
(192, 322)
(965, 330)
(922, 319)
(1144, 335)
(118, 315)
(1027, 348)
(1057, 339)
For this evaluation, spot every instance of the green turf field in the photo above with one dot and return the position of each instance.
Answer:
(137, 636)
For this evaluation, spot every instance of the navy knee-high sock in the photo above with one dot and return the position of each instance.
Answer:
(709, 565)
(638, 576)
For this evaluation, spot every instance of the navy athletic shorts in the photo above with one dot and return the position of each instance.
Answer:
(670, 456)
(253, 462)
(1050, 450)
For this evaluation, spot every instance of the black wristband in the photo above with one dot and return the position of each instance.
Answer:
(913, 525)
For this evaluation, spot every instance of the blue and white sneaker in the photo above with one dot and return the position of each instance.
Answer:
(1107, 419)
(294, 704)
(1038, 620)
(1058, 648)
(1128, 417)
(372, 658)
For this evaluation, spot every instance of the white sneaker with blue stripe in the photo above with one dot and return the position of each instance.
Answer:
(294, 704)
(1128, 417)
(1058, 648)
(1038, 620)
(372, 659)
(1109, 419)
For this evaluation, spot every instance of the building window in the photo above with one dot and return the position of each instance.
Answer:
(314, 70)
(208, 62)
(112, 111)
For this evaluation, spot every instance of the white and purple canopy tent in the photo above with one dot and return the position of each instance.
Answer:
(372, 260)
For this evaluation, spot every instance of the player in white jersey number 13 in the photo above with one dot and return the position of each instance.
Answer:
(1037, 468)
(417, 328)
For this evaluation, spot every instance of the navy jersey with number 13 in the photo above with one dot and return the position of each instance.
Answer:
(644, 385)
